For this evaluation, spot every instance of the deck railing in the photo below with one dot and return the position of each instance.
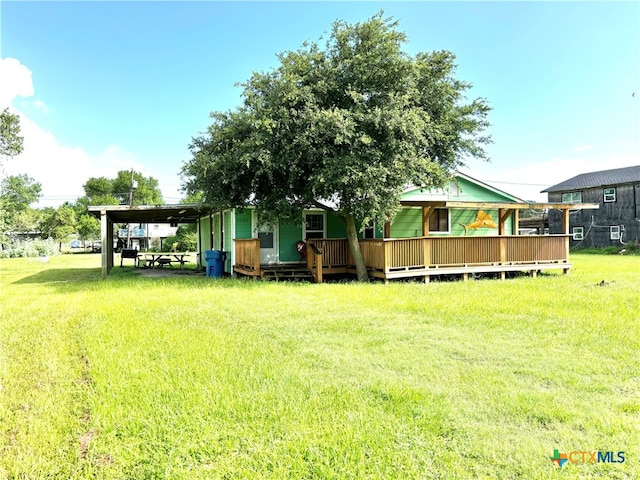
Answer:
(420, 253)
(248, 253)
(450, 251)
(537, 248)
(373, 253)
(335, 252)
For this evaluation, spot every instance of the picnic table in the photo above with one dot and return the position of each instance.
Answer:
(163, 259)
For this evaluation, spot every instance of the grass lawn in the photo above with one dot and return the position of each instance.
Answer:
(196, 378)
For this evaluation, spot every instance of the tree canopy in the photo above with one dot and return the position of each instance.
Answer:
(11, 143)
(115, 191)
(59, 223)
(17, 193)
(346, 128)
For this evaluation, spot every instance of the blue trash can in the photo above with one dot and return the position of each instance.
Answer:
(215, 262)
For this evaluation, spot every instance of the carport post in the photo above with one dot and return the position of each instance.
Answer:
(106, 231)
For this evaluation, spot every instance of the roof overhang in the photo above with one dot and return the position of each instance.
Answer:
(180, 213)
(499, 205)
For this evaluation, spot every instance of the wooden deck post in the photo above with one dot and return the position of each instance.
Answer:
(387, 230)
(319, 266)
(426, 248)
(565, 221)
(309, 257)
(503, 216)
(426, 214)
(256, 257)
(385, 256)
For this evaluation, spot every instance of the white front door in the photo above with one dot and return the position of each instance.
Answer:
(267, 233)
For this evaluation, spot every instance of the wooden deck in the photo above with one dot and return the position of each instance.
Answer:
(248, 263)
(424, 257)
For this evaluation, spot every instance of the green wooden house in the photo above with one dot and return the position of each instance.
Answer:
(466, 207)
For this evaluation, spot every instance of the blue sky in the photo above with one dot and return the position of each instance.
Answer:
(104, 86)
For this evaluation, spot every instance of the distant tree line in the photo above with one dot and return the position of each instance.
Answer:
(18, 219)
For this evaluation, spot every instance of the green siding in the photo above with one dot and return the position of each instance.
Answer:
(288, 236)
(205, 235)
(408, 223)
(472, 192)
(216, 232)
(243, 224)
(228, 239)
(335, 227)
(466, 191)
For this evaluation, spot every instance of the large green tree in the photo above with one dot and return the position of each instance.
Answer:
(345, 128)
(59, 223)
(17, 193)
(116, 191)
(87, 227)
(11, 143)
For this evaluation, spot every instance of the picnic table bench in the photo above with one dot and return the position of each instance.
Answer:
(129, 253)
(163, 259)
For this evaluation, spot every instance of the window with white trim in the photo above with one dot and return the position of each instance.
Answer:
(578, 233)
(614, 232)
(572, 197)
(609, 195)
(314, 225)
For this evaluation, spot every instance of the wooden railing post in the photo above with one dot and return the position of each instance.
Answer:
(256, 255)
(426, 252)
(319, 264)
(386, 246)
(309, 257)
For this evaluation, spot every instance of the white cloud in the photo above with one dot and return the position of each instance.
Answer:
(15, 81)
(61, 169)
(41, 106)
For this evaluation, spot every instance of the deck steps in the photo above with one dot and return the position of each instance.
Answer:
(294, 274)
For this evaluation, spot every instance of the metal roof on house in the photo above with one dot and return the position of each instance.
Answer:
(616, 176)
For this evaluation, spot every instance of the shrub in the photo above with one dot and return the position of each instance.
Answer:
(29, 248)
(632, 248)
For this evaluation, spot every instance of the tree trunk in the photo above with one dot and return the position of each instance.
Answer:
(354, 247)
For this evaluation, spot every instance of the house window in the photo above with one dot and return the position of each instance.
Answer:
(439, 220)
(572, 197)
(609, 194)
(614, 232)
(314, 225)
(370, 230)
(454, 189)
(578, 233)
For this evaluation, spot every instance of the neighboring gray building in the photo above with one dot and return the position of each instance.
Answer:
(615, 223)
